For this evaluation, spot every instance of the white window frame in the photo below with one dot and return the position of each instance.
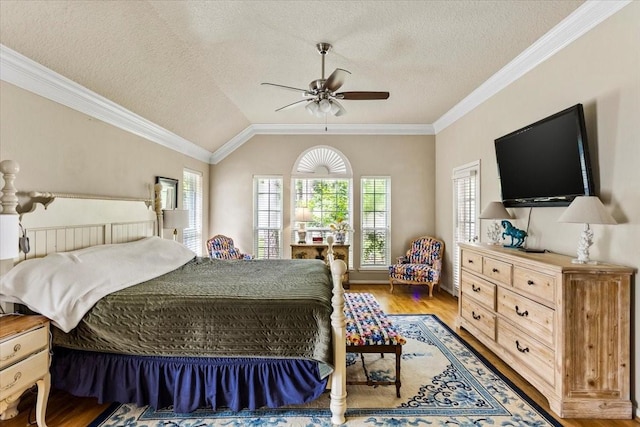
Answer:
(277, 210)
(385, 227)
(467, 175)
(192, 235)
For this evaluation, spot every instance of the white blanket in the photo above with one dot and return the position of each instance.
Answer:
(64, 286)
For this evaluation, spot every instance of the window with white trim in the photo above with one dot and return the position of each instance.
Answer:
(376, 222)
(192, 201)
(466, 202)
(267, 238)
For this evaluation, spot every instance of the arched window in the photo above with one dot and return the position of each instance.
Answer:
(321, 194)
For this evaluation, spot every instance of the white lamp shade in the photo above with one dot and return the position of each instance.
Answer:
(9, 235)
(303, 215)
(495, 210)
(587, 210)
(175, 218)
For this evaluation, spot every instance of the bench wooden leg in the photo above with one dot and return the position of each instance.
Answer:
(398, 359)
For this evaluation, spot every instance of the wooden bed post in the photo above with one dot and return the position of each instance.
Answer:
(157, 207)
(338, 403)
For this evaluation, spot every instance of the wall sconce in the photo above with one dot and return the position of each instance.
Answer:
(176, 219)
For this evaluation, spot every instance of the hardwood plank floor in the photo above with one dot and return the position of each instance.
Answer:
(64, 410)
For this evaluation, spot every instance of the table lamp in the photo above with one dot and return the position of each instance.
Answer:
(176, 219)
(586, 210)
(303, 215)
(494, 211)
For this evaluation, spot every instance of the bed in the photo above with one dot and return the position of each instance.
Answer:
(202, 333)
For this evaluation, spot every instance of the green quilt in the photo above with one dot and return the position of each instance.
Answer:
(216, 308)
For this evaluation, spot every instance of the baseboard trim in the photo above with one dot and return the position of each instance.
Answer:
(369, 282)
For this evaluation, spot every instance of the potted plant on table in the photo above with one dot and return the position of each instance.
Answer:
(340, 230)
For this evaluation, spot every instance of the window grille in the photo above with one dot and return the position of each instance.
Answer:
(376, 222)
(192, 201)
(466, 199)
(267, 239)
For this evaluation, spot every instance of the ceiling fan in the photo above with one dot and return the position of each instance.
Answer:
(321, 98)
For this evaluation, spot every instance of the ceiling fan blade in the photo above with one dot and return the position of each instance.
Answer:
(293, 104)
(335, 80)
(304, 91)
(363, 96)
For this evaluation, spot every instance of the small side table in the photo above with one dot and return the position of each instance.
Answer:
(24, 361)
(319, 251)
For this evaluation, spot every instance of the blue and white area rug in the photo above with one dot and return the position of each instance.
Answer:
(444, 383)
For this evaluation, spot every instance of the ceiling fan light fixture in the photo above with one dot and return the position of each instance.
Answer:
(325, 105)
(335, 108)
(312, 108)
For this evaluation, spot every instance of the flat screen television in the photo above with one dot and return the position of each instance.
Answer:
(546, 163)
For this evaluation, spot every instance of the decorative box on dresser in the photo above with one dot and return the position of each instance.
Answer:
(319, 251)
(564, 327)
(24, 362)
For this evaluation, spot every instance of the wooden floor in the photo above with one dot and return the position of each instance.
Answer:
(68, 411)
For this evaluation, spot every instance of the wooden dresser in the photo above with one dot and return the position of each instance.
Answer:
(24, 361)
(319, 251)
(564, 327)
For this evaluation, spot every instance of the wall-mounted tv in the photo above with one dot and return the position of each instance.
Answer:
(546, 163)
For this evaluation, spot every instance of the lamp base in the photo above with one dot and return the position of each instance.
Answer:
(589, 262)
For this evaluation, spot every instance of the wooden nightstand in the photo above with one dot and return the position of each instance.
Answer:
(24, 361)
(319, 251)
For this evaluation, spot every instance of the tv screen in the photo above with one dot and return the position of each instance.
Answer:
(546, 163)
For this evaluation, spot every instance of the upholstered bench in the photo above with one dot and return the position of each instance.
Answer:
(370, 331)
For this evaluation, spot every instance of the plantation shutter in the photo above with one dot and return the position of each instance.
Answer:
(192, 201)
(466, 199)
(267, 239)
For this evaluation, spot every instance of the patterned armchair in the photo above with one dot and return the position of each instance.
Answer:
(222, 247)
(421, 265)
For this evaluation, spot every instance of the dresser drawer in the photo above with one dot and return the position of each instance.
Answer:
(23, 374)
(527, 315)
(533, 282)
(20, 346)
(471, 261)
(535, 355)
(478, 316)
(480, 290)
(498, 270)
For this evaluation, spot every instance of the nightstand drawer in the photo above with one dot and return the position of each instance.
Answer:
(24, 374)
(20, 346)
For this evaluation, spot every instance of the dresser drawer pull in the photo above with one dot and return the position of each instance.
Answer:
(470, 261)
(530, 282)
(16, 349)
(521, 313)
(16, 377)
(495, 270)
(474, 288)
(521, 349)
(476, 316)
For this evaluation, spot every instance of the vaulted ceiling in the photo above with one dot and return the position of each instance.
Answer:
(194, 68)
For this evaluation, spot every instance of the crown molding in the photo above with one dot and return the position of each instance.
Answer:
(27, 74)
(317, 129)
(583, 19)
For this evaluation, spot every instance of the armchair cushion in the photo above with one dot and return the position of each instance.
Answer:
(222, 247)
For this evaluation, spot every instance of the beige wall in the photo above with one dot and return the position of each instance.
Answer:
(62, 150)
(601, 70)
(408, 160)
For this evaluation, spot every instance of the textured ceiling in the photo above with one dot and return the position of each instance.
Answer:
(195, 67)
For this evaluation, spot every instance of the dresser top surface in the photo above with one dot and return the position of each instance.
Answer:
(558, 261)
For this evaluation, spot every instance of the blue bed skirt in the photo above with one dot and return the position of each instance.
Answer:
(186, 383)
